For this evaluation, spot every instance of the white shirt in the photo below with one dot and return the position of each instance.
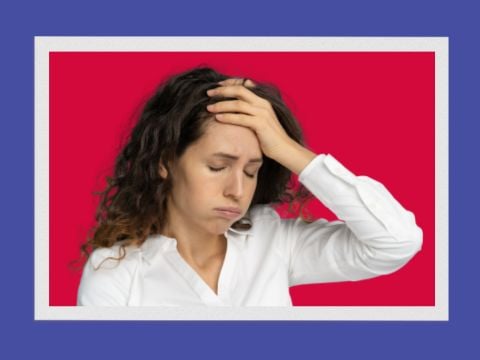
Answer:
(377, 236)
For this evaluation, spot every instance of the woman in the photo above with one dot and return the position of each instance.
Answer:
(186, 219)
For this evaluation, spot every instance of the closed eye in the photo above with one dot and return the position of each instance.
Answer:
(221, 168)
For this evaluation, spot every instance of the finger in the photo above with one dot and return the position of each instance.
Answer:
(238, 81)
(237, 91)
(231, 81)
(237, 119)
(232, 106)
(248, 83)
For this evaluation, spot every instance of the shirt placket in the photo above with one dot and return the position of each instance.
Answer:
(227, 278)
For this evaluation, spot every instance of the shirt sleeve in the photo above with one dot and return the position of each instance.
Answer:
(375, 236)
(105, 281)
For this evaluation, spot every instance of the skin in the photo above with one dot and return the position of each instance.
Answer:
(245, 128)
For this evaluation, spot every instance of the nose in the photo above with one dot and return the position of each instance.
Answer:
(235, 185)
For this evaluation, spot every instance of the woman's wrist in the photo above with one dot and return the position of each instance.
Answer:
(294, 156)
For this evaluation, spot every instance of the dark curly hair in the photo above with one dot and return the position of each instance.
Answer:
(133, 204)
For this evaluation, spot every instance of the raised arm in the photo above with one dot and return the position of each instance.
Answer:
(376, 235)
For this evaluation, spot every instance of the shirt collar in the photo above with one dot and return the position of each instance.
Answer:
(161, 243)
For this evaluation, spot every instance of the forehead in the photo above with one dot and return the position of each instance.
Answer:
(232, 139)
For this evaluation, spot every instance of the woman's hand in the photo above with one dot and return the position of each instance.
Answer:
(251, 111)
(256, 113)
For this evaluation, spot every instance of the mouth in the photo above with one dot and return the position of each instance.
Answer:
(228, 212)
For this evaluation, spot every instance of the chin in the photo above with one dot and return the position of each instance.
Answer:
(219, 228)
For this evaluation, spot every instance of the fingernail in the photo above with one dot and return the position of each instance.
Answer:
(211, 92)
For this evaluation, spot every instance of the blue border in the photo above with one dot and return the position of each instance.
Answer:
(23, 337)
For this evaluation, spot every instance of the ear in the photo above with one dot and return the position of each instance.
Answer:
(162, 171)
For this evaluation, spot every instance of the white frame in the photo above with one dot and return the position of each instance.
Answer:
(44, 45)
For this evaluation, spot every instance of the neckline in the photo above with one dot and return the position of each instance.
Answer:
(226, 277)
(163, 244)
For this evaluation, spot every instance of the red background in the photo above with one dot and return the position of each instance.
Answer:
(373, 111)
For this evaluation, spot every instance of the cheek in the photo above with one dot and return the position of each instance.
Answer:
(252, 189)
(200, 186)
(211, 187)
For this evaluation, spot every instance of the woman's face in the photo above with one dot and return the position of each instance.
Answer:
(218, 171)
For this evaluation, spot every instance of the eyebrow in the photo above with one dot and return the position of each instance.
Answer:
(233, 157)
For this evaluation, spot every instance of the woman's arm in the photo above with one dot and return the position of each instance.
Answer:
(377, 235)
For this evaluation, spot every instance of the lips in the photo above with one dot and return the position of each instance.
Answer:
(228, 212)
